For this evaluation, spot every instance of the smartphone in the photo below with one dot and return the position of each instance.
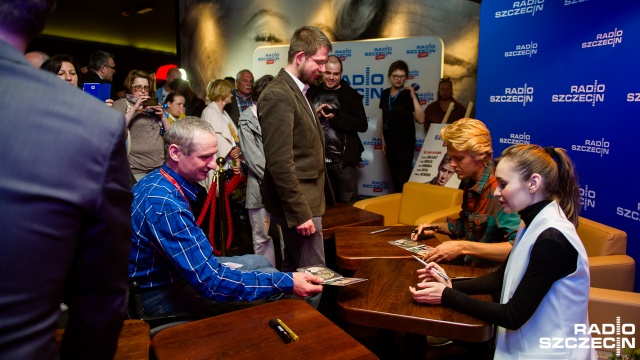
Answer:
(152, 101)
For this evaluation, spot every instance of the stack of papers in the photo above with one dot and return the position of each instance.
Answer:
(411, 245)
(330, 277)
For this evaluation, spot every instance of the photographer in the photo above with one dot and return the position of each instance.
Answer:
(145, 122)
(339, 108)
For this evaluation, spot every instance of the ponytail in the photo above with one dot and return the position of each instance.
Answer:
(567, 189)
(556, 169)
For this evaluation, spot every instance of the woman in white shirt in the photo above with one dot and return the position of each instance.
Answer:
(219, 94)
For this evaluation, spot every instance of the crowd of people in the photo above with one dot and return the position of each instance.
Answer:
(77, 232)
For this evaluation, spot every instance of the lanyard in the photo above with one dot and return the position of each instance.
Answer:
(175, 183)
(395, 97)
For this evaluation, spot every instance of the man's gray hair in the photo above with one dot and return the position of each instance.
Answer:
(242, 72)
(183, 132)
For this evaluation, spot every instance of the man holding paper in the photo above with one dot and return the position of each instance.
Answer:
(172, 259)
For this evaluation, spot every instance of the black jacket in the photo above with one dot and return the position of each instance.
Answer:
(351, 120)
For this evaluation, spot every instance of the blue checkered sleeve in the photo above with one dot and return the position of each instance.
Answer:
(167, 240)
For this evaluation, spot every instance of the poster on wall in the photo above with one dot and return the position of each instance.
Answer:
(365, 68)
(433, 165)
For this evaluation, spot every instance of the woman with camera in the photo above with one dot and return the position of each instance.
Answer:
(145, 122)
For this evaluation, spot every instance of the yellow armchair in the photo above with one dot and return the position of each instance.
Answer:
(418, 203)
(609, 266)
(606, 304)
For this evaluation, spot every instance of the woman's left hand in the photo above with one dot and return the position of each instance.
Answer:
(429, 292)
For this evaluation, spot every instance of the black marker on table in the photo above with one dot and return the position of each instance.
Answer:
(284, 335)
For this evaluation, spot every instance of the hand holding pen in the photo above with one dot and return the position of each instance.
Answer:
(424, 231)
(431, 268)
(434, 281)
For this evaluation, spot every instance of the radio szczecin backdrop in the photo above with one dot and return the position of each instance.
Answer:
(564, 73)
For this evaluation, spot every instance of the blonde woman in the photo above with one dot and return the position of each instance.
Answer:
(219, 95)
(484, 231)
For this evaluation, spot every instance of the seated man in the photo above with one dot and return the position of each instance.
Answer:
(171, 258)
(484, 230)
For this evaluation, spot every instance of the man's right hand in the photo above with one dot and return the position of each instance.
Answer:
(306, 284)
(306, 228)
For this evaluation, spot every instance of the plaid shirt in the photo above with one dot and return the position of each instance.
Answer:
(243, 103)
(482, 218)
(167, 243)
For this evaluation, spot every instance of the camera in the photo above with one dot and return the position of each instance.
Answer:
(331, 110)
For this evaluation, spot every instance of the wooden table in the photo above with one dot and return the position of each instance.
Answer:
(355, 245)
(385, 302)
(133, 342)
(342, 215)
(245, 334)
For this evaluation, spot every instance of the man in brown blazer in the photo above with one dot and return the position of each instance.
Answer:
(293, 186)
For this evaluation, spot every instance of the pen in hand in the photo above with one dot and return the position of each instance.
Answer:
(442, 275)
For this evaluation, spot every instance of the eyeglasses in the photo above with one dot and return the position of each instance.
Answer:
(398, 77)
(110, 67)
(139, 87)
(320, 63)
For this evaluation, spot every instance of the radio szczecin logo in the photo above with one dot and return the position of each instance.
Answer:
(522, 8)
(529, 50)
(590, 93)
(600, 147)
(523, 138)
(605, 336)
(523, 94)
(587, 198)
(605, 39)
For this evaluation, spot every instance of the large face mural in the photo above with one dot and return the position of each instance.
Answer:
(218, 37)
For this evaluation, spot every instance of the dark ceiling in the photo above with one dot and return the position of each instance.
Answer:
(104, 21)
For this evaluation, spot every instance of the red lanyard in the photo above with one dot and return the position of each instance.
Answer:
(175, 183)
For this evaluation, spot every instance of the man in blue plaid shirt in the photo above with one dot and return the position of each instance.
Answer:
(171, 257)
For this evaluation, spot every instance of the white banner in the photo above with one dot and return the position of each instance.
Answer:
(365, 67)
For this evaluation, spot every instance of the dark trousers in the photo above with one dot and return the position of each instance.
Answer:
(344, 182)
(400, 163)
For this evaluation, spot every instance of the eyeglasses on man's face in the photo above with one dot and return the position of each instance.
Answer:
(398, 77)
(139, 87)
(320, 63)
(110, 67)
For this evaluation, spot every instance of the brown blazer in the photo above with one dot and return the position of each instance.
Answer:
(294, 182)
